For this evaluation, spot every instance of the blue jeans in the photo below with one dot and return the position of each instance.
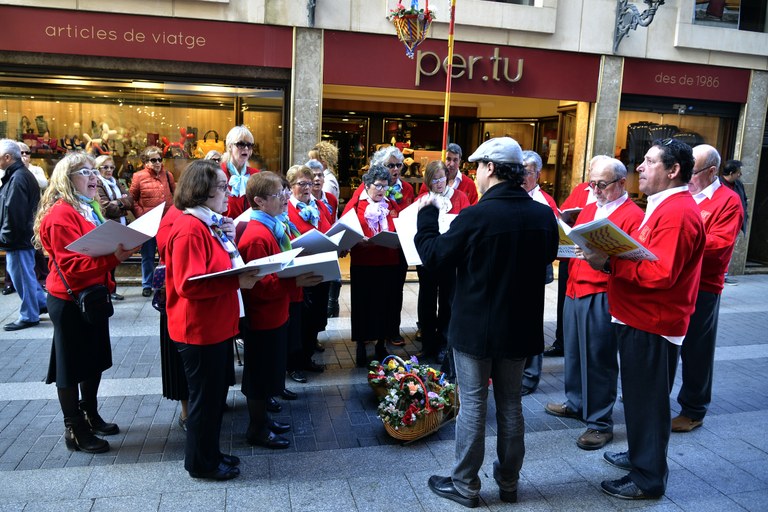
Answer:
(20, 265)
(148, 250)
(472, 376)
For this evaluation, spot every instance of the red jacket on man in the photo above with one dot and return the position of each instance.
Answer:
(723, 216)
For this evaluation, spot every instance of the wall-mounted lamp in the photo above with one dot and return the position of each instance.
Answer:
(628, 17)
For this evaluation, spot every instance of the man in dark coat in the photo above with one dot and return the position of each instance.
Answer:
(19, 197)
(500, 249)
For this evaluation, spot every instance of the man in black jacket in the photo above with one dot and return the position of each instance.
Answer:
(19, 197)
(500, 249)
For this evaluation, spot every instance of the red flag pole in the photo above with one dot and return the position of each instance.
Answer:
(449, 72)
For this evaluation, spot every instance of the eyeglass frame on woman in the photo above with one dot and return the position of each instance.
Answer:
(217, 160)
(397, 165)
(379, 186)
(439, 180)
(91, 172)
(282, 193)
(602, 185)
(26, 152)
(112, 167)
(302, 184)
(155, 160)
(242, 144)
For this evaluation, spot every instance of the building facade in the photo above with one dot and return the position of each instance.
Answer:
(180, 74)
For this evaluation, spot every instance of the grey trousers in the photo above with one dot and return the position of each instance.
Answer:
(472, 376)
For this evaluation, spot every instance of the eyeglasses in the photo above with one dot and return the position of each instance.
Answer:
(281, 194)
(379, 186)
(222, 187)
(395, 166)
(107, 167)
(303, 184)
(26, 152)
(695, 172)
(438, 180)
(602, 185)
(244, 145)
(155, 160)
(217, 160)
(87, 172)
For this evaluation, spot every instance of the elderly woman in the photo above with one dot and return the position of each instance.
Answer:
(435, 289)
(151, 186)
(81, 350)
(266, 307)
(328, 203)
(304, 212)
(328, 155)
(376, 293)
(113, 199)
(203, 315)
(239, 144)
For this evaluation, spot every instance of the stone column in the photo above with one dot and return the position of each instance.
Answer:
(749, 143)
(606, 111)
(306, 93)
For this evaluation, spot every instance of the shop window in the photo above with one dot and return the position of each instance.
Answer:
(123, 117)
(350, 135)
(747, 15)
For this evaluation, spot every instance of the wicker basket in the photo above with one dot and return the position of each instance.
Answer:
(411, 30)
(380, 388)
(424, 425)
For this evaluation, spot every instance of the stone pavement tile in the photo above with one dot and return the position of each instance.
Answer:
(203, 500)
(711, 504)
(151, 478)
(321, 495)
(42, 484)
(754, 501)
(67, 505)
(756, 468)
(134, 503)
(258, 497)
(12, 507)
(548, 472)
(374, 493)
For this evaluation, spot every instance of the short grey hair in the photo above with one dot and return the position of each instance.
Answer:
(375, 173)
(617, 166)
(10, 147)
(532, 157)
(384, 154)
(453, 148)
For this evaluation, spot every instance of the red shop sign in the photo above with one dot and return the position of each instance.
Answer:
(677, 80)
(146, 37)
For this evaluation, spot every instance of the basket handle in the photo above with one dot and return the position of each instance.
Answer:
(395, 357)
(423, 386)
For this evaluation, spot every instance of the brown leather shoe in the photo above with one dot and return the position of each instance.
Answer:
(561, 410)
(685, 424)
(593, 439)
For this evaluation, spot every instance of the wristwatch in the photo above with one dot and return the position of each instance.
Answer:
(607, 266)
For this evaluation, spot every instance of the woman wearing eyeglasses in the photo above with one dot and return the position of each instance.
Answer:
(113, 199)
(436, 289)
(151, 186)
(81, 350)
(240, 144)
(376, 291)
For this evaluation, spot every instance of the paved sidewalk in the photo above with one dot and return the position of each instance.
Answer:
(340, 456)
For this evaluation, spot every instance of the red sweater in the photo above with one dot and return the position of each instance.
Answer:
(660, 296)
(165, 230)
(459, 201)
(236, 205)
(206, 311)
(466, 185)
(405, 201)
(578, 197)
(266, 304)
(723, 216)
(332, 215)
(583, 280)
(302, 225)
(368, 254)
(59, 228)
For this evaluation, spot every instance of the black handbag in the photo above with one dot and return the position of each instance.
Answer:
(94, 302)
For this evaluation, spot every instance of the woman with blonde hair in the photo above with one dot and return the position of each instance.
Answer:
(239, 143)
(81, 349)
(328, 155)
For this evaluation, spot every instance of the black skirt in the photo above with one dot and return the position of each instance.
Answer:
(171, 366)
(80, 351)
(376, 297)
(264, 362)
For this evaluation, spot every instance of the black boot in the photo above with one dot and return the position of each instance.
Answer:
(96, 422)
(333, 299)
(361, 358)
(381, 350)
(78, 436)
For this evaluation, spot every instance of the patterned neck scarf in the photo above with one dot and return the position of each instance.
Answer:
(376, 215)
(289, 226)
(309, 212)
(92, 210)
(444, 199)
(110, 185)
(324, 199)
(237, 179)
(214, 221)
(276, 226)
(395, 191)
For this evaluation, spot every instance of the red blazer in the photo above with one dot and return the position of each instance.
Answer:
(266, 304)
(302, 225)
(334, 202)
(660, 296)
(583, 280)
(59, 228)
(459, 201)
(367, 254)
(203, 312)
(578, 197)
(466, 185)
(405, 202)
(165, 230)
(723, 216)
(236, 205)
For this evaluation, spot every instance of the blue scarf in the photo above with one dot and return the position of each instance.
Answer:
(95, 210)
(327, 204)
(309, 212)
(237, 179)
(275, 225)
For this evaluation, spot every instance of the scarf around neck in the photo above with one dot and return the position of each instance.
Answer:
(92, 210)
(308, 211)
(276, 226)
(376, 215)
(237, 179)
(444, 199)
(396, 191)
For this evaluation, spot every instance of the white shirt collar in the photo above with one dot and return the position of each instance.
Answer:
(607, 209)
(707, 192)
(456, 180)
(658, 198)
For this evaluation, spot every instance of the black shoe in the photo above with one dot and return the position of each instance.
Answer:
(525, 390)
(333, 309)
(230, 460)
(19, 325)
(271, 440)
(319, 347)
(418, 335)
(508, 496)
(146, 292)
(277, 427)
(618, 459)
(443, 487)
(314, 367)
(297, 376)
(554, 352)
(397, 341)
(117, 296)
(78, 437)
(183, 423)
(381, 351)
(8, 290)
(273, 405)
(287, 394)
(96, 422)
(222, 472)
(44, 310)
(625, 489)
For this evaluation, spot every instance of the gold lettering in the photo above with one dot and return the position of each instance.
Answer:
(419, 69)
(519, 70)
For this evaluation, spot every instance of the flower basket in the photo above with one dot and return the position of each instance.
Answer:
(427, 421)
(380, 373)
(411, 24)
